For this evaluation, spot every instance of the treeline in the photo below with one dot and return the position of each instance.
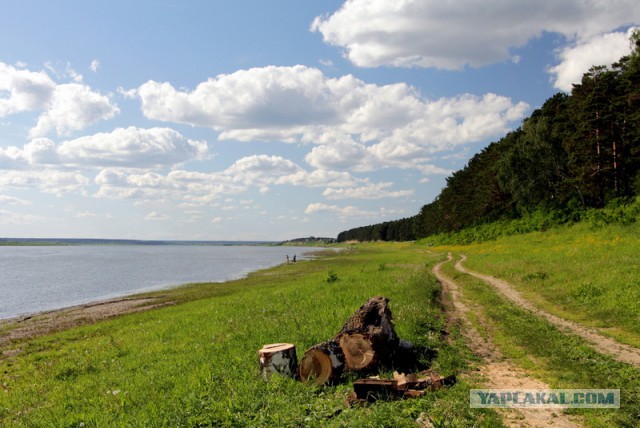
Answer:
(577, 152)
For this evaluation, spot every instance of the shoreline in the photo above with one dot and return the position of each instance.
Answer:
(20, 306)
(25, 327)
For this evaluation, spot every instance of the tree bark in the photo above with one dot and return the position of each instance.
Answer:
(278, 358)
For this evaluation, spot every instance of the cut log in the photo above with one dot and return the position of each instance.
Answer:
(322, 363)
(278, 358)
(368, 338)
(358, 351)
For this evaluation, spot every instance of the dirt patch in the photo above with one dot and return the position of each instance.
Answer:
(603, 344)
(498, 372)
(27, 327)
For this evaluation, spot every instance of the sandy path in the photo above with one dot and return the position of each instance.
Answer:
(603, 344)
(498, 372)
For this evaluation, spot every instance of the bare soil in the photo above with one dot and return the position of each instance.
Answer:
(603, 344)
(27, 327)
(497, 371)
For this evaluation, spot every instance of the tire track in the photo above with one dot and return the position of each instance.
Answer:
(499, 372)
(602, 344)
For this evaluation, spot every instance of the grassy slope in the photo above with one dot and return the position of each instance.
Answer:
(195, 364)
(559, 359)
(587, 274)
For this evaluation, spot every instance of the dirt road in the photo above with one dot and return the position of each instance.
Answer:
(603, 344)
(499, 372)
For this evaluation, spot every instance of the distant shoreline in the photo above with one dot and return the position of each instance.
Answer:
(91, 241)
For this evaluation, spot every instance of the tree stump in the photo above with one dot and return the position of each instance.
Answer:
(278, 358)
(368, 338)
(322, 363)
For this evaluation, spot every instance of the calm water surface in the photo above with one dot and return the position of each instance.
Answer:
(34, 279)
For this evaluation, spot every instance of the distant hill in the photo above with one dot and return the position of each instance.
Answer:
(311, 240)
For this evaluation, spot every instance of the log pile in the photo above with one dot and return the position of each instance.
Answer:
(366, 341)
(364, 344)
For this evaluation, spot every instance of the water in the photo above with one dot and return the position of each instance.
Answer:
(34, 279)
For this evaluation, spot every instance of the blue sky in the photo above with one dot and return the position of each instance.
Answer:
(256, 120)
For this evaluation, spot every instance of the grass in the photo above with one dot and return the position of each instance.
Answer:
(582, 273)
(195, 363)
(561, 360)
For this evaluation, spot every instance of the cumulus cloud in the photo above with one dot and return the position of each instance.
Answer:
(73, 107)
(47, 181)
(355, 125)
(577, 59)
(257, 171)
(370, 191)
(348, 211)
(65, 108)
(123, 147)
(23, 90)
(450, 35)
(342, 212)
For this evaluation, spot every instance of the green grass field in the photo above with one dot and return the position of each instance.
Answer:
(195, 363)
(560, 360)
(583, 273)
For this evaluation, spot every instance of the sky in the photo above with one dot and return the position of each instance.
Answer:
(268, 120)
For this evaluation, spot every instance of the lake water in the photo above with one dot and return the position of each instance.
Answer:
(34, 278)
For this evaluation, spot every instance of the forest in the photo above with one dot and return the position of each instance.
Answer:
(579, 151)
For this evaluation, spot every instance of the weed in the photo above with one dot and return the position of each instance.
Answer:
(333, 277)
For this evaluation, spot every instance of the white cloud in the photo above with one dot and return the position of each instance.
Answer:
(370, 191)
(73, 107)
(257, 171)
(94, 66)
(450, 35)
(65, 108)
(262, 169)
(156, 216)
(125, 147)
(132, 147)
(47, 180)
(10, 200)
(356, 125)
(342, 212)
(244, 99)
(12, 158)
(23, 90)
(577, 59)
(14, 218)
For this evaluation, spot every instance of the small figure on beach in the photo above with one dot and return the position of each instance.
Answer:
(287, 258)
(294, 258)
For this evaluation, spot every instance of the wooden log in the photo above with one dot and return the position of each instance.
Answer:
(358, 350)
(278, 358)
(368, 338)
(322, 363)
